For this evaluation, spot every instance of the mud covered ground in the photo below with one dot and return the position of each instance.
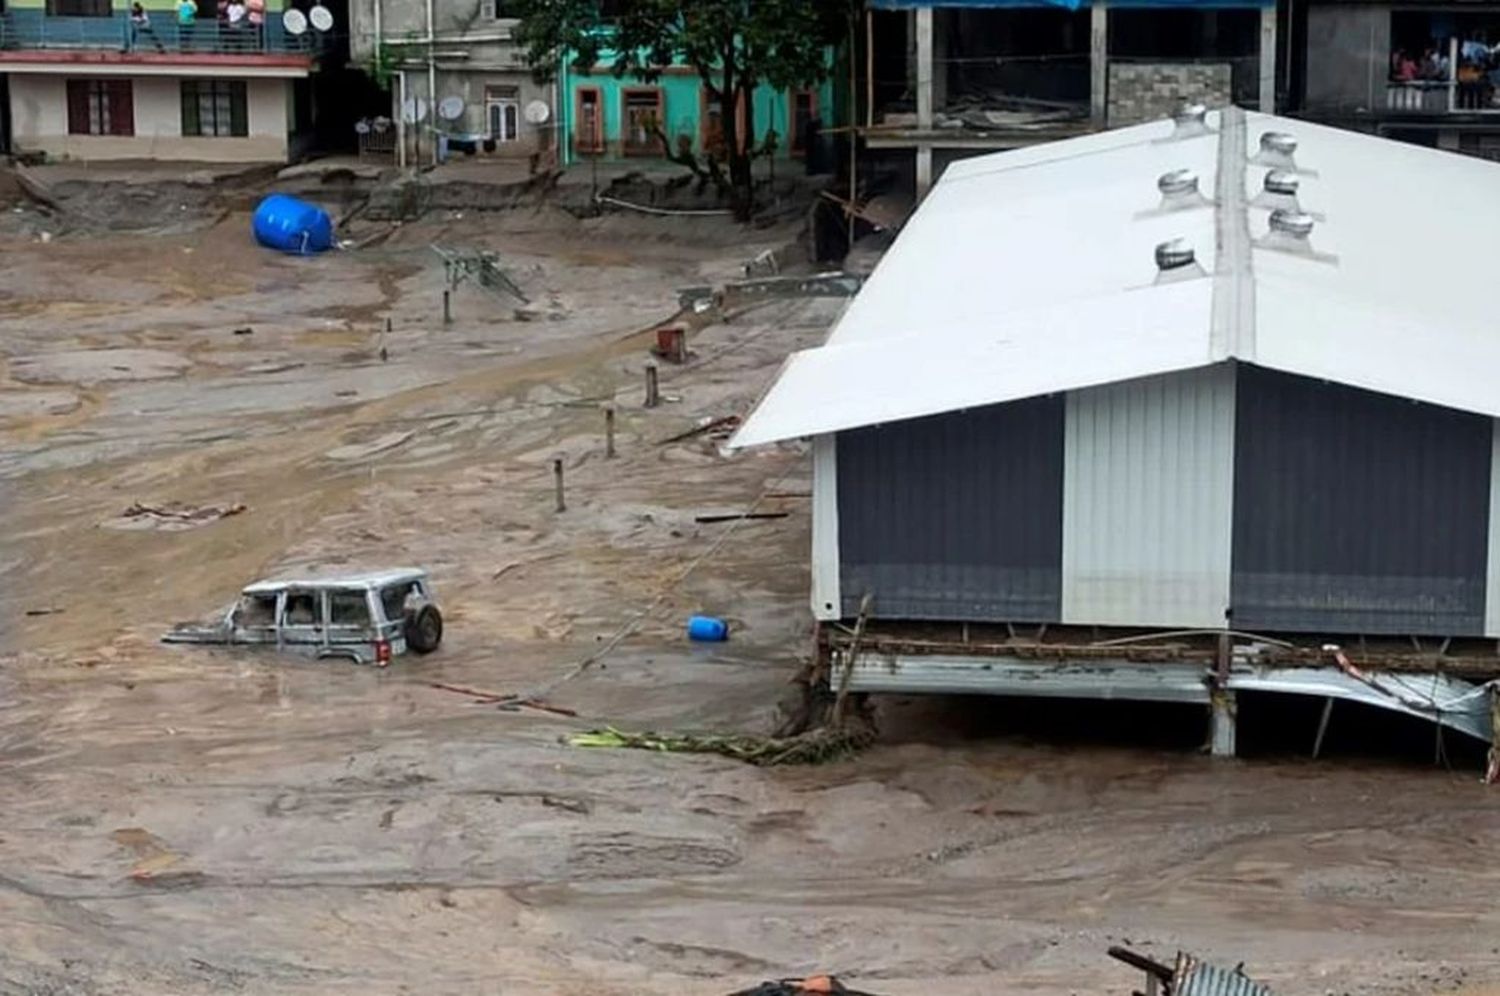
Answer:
(178, 820)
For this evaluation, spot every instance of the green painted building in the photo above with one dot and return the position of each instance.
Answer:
(612, 118)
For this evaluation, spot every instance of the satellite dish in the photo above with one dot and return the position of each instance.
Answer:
(537, 112)
(321, 17)
(413, 109)
(450, 108)
(362, 127)
(294, 21)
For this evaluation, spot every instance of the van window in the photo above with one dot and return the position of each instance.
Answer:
(303, 608)
(348, 608)
(256, 610)
(393, 599)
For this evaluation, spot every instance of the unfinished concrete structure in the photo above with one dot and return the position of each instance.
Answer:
(455, 66)
(1346, 71)
(949, 78)
(1153, 414)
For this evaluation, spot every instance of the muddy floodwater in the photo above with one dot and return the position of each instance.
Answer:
(183, 820)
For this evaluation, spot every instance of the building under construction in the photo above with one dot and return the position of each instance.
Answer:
(1164, 414)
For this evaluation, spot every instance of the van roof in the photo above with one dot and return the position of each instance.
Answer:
(364, 580)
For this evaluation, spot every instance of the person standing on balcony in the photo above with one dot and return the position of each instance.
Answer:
(235, 14)
(187, 19)
(140, 25)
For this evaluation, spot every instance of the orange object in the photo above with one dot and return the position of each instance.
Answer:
(820, 984)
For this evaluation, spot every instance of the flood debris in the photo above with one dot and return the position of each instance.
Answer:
(813, 985)
(714, 428)
(482, 267)
(813, 747)
(735, 516)
(506, 701)
(1189, 976)
(173, 516)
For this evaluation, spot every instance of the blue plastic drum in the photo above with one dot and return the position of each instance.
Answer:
(707, 629)
(292, 225)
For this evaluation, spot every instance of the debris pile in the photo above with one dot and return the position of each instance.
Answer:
(815, 746)
(173, 516)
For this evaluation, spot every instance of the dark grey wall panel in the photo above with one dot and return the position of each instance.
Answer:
(956, 516)
(1356, 512)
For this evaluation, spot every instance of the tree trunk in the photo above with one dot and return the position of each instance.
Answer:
(739, 146)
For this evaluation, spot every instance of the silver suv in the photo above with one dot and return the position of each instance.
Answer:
(367, 618)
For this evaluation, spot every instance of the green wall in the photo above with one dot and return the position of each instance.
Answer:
(682, 109)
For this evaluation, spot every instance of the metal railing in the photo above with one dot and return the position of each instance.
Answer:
(1441, 97)
(32, 29)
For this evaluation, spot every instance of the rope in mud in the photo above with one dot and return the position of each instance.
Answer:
(631, 624)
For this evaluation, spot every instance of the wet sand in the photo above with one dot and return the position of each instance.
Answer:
(182, 820)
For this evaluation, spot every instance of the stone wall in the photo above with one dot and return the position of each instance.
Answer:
(1145, 91)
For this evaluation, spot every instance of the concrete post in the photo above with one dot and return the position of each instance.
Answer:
(609, 432)
(1268, 60)
(1099, 63)
(1221, 723)
(924, 169)
(924, 69)
(653, 393)
(557, 480)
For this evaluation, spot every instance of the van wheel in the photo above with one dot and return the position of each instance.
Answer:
(424, 629)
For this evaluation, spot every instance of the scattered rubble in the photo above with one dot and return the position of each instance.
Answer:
(173, 516)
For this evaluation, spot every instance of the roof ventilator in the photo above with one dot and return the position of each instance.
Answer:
(1175, 260)
(1279, 150)
(1179, 190)
(1190, 121)
(1290, 233)
(1279, 193)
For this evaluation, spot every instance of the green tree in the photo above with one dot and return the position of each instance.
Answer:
(734, 45)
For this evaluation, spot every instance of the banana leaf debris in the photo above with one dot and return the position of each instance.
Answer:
(813, 747)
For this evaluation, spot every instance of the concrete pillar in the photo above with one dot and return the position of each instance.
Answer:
(1268, 59)
(1099, 62)
(924, 68)
(940, 19)
(1221, 724)
(924, 169)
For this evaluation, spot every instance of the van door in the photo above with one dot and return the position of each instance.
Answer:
(349, 617)
(302, 618)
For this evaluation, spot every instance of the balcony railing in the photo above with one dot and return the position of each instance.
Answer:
(22, 30)
(1441, 97)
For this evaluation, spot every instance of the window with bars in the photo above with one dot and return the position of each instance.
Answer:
(100, 107)
(214, 108)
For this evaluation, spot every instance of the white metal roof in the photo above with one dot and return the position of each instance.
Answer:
(1029, 272)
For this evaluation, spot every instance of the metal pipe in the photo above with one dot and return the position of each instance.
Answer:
(401, 119)
(432, 73)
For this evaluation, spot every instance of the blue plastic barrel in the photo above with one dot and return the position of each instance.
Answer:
(292, 225)
(707, 629)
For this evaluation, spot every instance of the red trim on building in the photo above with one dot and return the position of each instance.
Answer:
(89, 57)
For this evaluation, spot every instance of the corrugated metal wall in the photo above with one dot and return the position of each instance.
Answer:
(955, 517)
(1357, 512)
(1148, 486)
(1492, 585)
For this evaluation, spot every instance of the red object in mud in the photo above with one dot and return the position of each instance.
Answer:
(382, 653)
(671, 343)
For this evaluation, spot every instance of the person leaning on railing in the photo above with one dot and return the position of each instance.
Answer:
(140, 26)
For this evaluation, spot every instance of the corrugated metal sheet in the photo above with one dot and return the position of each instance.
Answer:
(955, 517)
(1356, 512)
(1148, 486)
(1199, 978)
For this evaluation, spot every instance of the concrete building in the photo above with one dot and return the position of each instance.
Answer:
(948, 79)
(1157, 414)
(1348, 71)
(456, 67)
(85, 83)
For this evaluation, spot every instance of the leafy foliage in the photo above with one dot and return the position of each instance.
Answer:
(734, 45)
